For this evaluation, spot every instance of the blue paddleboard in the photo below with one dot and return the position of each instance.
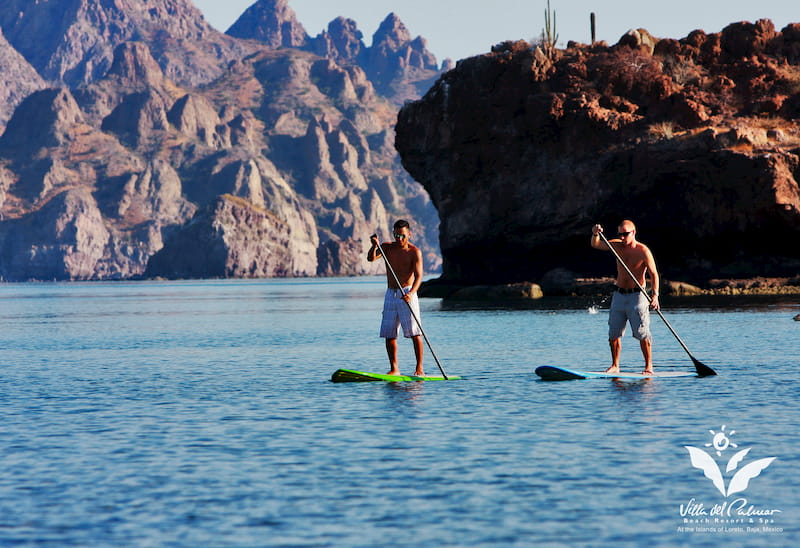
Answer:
(553, 373)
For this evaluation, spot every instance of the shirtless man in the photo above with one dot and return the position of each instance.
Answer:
(406, 261)
(628, 303)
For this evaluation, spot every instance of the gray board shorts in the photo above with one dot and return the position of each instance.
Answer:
(633, 308)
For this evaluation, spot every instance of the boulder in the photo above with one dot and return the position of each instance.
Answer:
(522, 291)
(680, 289)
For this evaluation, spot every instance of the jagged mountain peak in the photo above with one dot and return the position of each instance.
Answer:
(398, 66)
(19, 79)
(342, 42)
(72, 41)
(391, 32)
(345, 25)
(272, 22)
(134, 65)
(392, 37)
(44, 118)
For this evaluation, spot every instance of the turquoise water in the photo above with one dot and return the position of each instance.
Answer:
(201, 414)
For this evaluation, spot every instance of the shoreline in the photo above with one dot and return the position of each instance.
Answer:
(604, 287)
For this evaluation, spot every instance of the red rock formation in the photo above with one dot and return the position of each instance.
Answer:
(696, 139)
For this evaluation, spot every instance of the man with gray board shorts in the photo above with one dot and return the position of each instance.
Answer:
(628, 303)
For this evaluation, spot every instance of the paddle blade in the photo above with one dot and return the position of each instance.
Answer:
(702, 369)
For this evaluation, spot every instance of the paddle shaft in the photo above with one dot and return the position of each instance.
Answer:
(702, 369)
(411, 309)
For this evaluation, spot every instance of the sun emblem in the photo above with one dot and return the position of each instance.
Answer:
(721, 440)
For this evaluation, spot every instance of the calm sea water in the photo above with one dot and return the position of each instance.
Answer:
(201, 414)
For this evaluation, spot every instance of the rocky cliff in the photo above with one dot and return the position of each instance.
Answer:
(697, 140)
(73, 41)
(20, 79)
(139, 140)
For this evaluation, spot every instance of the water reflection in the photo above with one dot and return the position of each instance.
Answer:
(644, 387)
(406, 392)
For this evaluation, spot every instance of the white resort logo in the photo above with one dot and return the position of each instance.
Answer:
(741, 479)
(737, 515)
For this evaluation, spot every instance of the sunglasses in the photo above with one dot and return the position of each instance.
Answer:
(400, 236)
(623, 234)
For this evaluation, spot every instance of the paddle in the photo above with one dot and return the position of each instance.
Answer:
(410, 309)
(702, 369)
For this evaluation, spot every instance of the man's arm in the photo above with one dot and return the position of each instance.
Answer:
(417, 271)
(373, 252)
(655, 280)
(596, 242)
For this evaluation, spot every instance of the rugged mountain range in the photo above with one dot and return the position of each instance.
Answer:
(697, 140)
(400, 67)
(138, 140)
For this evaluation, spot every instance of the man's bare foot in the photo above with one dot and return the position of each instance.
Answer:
(648, 372)
(393, 371)
(613, 369)
(419, 373)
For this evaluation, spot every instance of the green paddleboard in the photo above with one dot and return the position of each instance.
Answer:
(350, 375)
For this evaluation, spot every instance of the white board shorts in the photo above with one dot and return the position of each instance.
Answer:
(396, 314)
(633, 308)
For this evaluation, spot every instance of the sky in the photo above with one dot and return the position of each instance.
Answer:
(463, 28)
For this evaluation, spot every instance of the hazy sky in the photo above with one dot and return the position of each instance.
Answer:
(461, 28)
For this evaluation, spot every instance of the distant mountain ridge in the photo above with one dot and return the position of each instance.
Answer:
(399, 66)
(136, 134)
(73, 41)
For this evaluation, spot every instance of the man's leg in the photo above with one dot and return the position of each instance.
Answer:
(647, 352)
(391, 350)
(617, 320)
(616, 348)
(640, 324)
(418, 352)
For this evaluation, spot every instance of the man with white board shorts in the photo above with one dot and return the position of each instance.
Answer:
(401, 304)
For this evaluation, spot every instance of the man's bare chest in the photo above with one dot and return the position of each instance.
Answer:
(633, 258)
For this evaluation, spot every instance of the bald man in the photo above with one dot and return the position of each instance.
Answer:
(628, 303)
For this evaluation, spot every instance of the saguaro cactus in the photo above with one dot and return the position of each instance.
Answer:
(549, 35)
